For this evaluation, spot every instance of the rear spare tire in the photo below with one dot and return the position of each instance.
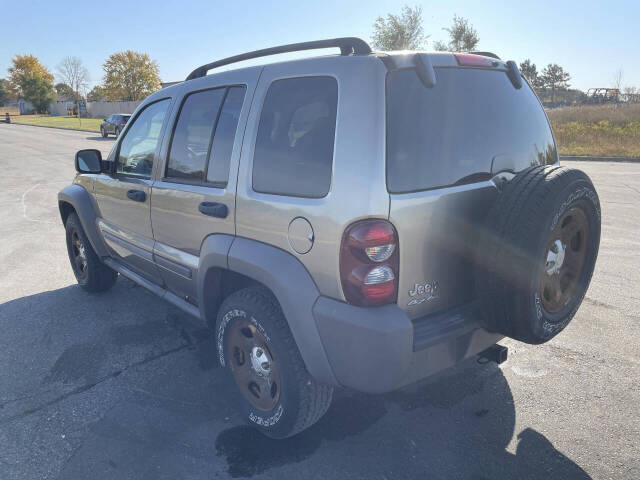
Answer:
(537, 253)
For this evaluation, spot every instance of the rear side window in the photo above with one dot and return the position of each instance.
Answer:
(471, 124)
(294, 147)
(192, 135)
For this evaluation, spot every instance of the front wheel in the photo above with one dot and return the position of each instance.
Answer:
(103, 132)
(90, 272)
(255, 346)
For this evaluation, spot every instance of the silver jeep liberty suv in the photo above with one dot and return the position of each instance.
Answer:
(361, 220)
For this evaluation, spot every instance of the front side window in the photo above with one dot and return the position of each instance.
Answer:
(192, 135)
(138, 147)
(294, 146)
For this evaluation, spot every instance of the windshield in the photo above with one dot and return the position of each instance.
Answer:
(471, 124)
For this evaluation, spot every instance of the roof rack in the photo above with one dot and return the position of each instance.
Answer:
(347, 45)
(486, 54)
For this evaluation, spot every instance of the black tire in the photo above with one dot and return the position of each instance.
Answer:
(117, 132)
(103, 132)
(301, 400)
(513, 266)
(90, 272)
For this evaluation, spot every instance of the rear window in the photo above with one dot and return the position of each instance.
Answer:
(472, 123)
(294, 148)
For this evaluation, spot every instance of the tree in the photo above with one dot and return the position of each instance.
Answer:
(130, 76)
(462, 37)
(39, 91)
(96, 94)
(400, 32)
(62, 89)
(4, 94)
(530, 71)
(617, 79)
(71, 71)
(555, 78)
(26, 66)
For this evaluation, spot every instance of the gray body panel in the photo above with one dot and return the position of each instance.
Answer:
(358, 180)
(438, 230)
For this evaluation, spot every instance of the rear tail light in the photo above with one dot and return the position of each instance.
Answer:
(124, 122)
(369, 263)
(471, 60)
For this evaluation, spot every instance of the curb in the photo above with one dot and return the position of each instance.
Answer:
(57, 128)
(600, 159)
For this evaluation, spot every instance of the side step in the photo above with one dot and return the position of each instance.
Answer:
(152, 287)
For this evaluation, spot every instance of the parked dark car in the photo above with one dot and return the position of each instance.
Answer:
(113, 124)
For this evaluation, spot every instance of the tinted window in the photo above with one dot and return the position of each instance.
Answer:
(138, 147)
(454, 132)
(294, 147)
(192, 135)
(218, 171)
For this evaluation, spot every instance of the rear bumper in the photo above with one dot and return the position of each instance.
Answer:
(379, 349)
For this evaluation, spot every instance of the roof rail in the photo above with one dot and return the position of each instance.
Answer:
(486, 54)
(347, 45)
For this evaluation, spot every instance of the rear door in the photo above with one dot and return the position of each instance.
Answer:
(194, 194)
(444, 146)
(124, 196)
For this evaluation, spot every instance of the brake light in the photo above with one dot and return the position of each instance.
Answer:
(124, 122)
(471, 60)
(369, 263)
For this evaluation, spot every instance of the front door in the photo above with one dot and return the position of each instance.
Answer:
(194, 192)
(124, 196)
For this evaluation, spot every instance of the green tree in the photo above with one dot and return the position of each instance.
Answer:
(96, 94)
(62, 89)
(39, 91)
(400, 32)
(555, 78)
(4, 94)
(130, 76)
(24, 66)
(462, 37)
(530, 71)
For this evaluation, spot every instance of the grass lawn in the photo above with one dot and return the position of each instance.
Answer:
(72, 123)
(597, 130)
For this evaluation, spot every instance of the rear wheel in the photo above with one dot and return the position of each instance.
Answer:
(103, 132)
(538, 252)
(255, 346)
(90, 272)
(117, 132)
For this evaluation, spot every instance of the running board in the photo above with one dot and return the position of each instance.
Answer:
(153, 288)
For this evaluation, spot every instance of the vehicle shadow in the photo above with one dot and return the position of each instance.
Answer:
(138, 384)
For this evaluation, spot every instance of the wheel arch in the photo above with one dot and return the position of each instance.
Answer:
(229, 263)
(75, 199)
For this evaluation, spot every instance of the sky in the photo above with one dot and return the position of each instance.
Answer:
(590, 39)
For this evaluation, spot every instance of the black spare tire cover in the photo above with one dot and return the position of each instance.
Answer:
(537, 253)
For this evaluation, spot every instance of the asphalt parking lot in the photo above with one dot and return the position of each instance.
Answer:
(122, 385)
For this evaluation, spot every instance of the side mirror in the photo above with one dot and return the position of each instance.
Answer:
(89, 161)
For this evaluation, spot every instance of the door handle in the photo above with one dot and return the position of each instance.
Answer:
(214, 209)
(137, 195)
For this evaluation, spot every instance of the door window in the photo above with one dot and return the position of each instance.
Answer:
(224, 136)
(138, 147)
(192, 135)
